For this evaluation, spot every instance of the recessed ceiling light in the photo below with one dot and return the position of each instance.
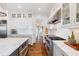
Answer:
(6, 11)
(39, 9)
(19, 6)
(26, 9)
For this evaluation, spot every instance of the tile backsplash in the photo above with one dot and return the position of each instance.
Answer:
(64, 32)
(76, 33)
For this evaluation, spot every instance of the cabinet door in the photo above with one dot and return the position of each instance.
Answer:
(66, 13)
(72, 13)
(15, 53)
(57, 51)
(23, 49)
(77, 12)
(70, 17)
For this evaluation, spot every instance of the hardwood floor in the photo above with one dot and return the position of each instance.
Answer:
(37, 49)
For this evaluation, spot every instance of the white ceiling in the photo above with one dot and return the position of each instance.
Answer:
(45, 8)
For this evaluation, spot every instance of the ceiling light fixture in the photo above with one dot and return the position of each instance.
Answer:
(19, 6)
(39, 9)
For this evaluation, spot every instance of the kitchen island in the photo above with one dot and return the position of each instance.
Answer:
(61, 49)
(8, 46)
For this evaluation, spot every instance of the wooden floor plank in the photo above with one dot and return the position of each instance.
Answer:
(37, 49)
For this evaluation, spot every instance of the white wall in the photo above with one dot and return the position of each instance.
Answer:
(24, 23)
(62, 32)
(24, 26)
(1, 8)
(58, 30)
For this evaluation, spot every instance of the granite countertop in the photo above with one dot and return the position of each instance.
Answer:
(9, 45)
(68, 50)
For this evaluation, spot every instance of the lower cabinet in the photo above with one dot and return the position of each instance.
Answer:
(22, 50)
(57, 51)
(15, 53)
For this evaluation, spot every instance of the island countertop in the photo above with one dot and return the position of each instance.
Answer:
(67, 49)
(9, 45)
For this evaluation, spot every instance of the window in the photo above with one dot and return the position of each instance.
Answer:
(24, 15)
(13, 15)
(18, 15)
(29, 15)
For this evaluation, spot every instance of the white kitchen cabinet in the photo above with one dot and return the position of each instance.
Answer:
(73, 13)
(66, 13)
(69, 19)
(74, 16)
(77, 12)
(23, 49)
(57, 51)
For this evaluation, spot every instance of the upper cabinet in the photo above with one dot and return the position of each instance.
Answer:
(77, 12)
(66, 13)
(70, 15)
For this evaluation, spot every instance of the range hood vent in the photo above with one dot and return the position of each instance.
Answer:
(56, 18)
(54, 21)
